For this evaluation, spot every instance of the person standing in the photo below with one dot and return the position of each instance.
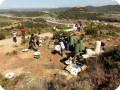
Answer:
(67, 43)
(62, 47)
(102, 45)
(14, 33)
(23, 31)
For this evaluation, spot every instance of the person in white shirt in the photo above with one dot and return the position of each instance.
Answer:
(62, 47)
(14, 36)
(39, 41)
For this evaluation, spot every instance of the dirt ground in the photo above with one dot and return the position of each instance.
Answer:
(25, 63)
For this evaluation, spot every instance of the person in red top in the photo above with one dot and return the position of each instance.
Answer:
(23, 31)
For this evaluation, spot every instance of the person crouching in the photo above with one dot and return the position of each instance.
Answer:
(39, 41)
(32, 43)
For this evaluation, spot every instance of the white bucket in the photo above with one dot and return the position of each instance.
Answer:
(98, 47)
(37, 55)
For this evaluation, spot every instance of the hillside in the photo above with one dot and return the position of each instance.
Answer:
(78, 13)
(108, 13)
(105, 9)
(59, 9)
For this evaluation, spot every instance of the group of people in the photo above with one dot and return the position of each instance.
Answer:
(14, 33)
(64, 43)
(78, 26)
(32, 42)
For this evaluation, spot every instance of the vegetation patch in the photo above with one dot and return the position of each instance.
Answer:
(111, 58)
(58, 34)
(5, 22)
(78, 13)
(63, 27)
(2, 36)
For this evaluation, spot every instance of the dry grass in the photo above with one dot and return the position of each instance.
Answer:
(37, 85)
(9, 84)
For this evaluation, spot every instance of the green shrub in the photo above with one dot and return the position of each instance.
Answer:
(2, 36)
(110, 58)
(111, 33)
(90, 32)
(63, 33)
(63, 27)
(31, 31)
(82, 36)
(39, 20)
(108, 27)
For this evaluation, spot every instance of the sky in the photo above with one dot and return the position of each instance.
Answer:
(53, 3)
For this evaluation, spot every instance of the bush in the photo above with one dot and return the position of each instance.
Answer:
(39, 20)
(111, 57)
(63, 27)
(91, 32)
(111, 33)
(2, 36)
(63, 33)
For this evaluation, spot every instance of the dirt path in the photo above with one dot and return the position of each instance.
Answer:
(25, 63)
(7, 45)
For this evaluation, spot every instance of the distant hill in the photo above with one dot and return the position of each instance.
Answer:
(101, 9)
(59, 9)
(105, 9)
(35, 9)
(78, 13)
(24, 9)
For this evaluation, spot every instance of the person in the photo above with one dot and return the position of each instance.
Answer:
(14, 36)
(39, 33)
(23, 31)
(67, 43)
(39, 41)
(61, 37)
(75, 27)
(32, 43)
(62, 47)
(102, 45)
(78, 27)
